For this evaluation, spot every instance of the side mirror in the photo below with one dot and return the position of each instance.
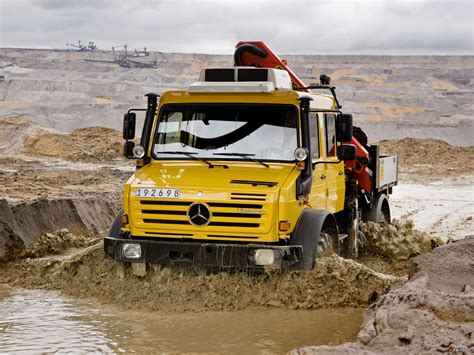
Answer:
(129, 121)
(346, 152)
(128, 149)
(344, 127)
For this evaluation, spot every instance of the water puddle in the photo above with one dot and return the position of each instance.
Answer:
(37, 321)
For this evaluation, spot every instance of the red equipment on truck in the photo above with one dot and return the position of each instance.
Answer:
(258, 54)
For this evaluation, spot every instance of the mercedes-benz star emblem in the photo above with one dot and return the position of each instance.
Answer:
(199, 214)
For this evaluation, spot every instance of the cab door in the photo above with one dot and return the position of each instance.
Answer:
(317, 196)
(335, 179)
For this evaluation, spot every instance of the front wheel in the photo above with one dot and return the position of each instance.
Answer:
(328, 242)
(317, 233)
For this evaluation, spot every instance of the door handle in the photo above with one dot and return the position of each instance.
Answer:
(341, 173)
(323, 177)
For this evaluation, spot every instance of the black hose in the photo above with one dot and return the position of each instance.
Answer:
(252, 48)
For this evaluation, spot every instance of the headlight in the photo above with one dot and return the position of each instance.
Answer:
(301, 153)
(264, 257)
(138, 151)
(131, 251)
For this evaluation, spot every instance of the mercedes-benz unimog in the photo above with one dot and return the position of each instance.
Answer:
(248, 168)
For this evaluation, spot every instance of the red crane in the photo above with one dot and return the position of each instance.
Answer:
(258, 54)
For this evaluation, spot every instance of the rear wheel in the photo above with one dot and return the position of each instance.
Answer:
(380, 211)
(350, 222)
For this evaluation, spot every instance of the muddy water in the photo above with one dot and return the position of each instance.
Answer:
(45, 321)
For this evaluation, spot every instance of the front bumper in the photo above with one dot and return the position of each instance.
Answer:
(203, 254)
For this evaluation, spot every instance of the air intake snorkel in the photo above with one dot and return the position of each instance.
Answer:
(303, 185)
(150, 116)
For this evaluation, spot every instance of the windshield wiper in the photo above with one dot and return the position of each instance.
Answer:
(188, 154)
(246, 156)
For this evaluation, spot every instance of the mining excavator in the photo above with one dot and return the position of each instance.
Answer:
(249, 168)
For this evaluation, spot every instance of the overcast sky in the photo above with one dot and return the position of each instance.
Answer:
(291, 26)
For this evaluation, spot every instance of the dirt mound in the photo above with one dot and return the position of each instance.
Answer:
(23, 224)
(13, 132)
(19, 135)
(335, 282)
(429, 157)
(85, 144)
(398, 240)
(432, 312)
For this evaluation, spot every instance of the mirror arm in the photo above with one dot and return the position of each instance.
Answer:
(136, 109)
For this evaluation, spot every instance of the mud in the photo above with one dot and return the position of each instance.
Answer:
(335, 282)
(398, 240)
(432, 312)
(58, 241)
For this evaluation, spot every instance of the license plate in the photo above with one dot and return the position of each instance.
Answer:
(157, 193)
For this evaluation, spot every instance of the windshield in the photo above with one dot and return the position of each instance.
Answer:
(263, 132)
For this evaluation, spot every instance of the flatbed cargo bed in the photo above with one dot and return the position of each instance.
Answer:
(387, 172)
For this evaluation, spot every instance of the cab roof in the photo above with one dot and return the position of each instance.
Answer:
(246, 85)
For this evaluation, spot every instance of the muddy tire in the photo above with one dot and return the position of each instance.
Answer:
(328, 242)
(307, 233)
(380, 211)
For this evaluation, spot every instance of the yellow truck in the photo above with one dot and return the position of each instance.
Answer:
(242, 169)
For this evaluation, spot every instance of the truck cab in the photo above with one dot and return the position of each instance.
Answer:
(239, 170)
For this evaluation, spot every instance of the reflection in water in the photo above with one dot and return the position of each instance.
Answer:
(44, 321)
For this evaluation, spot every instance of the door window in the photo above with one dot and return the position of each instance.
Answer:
(330, 135)
(313, 129)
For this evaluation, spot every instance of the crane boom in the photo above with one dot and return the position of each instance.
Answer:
(258, 54)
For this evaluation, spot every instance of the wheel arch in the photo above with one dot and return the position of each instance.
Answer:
(379, 205)
(386, 209)
(116, 225)
(307, 233)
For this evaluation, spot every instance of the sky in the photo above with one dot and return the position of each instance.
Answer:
(382, 27)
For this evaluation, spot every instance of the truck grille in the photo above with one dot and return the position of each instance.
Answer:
(244, 210)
